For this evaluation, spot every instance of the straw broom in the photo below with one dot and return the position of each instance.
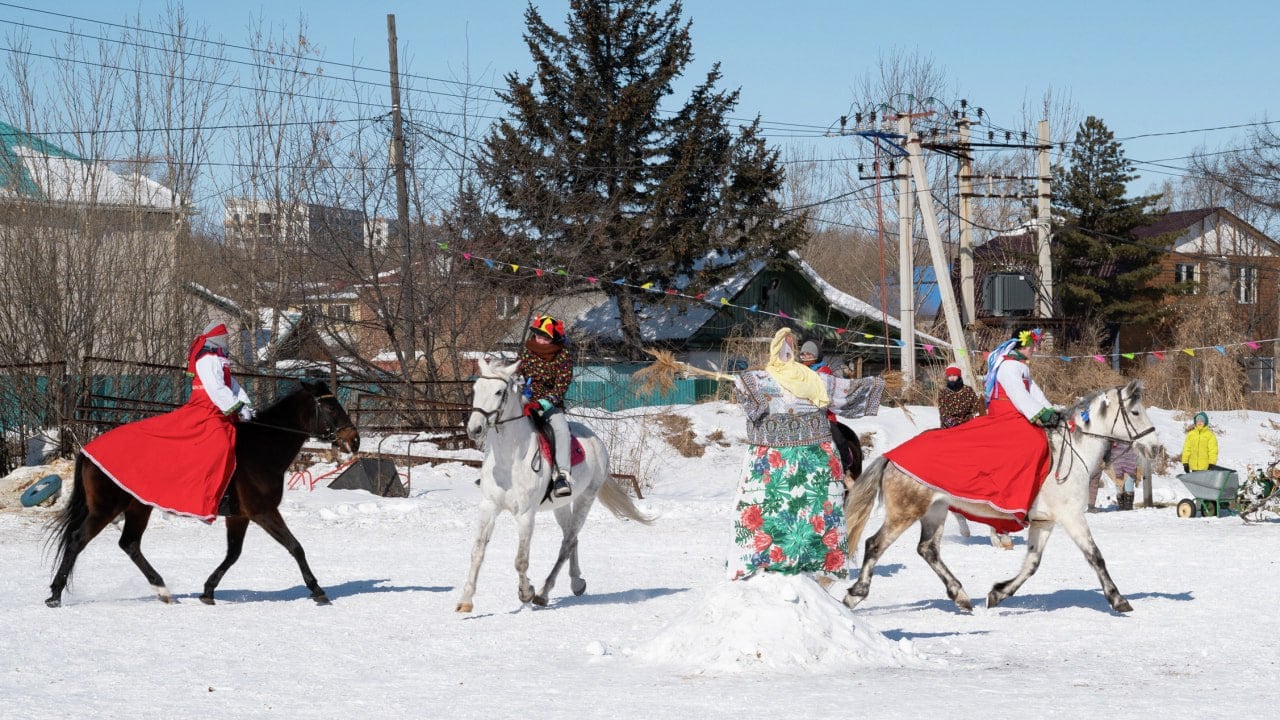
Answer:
(662, 373)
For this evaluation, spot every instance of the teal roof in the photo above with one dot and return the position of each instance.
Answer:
(13, 172)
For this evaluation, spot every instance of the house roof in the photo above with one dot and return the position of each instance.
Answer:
(594, 313)
(32, 168)
(1174, 222)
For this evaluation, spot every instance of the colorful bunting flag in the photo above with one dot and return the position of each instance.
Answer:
(1100, 358)
(1127, 356)
(1190, 351)
(1159, 355)
(1221, 350)
(1253, 345)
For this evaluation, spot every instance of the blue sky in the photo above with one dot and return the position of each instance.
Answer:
(1143, 67)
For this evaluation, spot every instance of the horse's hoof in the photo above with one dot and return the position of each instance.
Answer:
(964, 604)
(539, 600)
(207, 599)
(321, 599)
(851, 601)
(994, 599)
(1123, 606)
(53, 602)
(464, 607)
(166, 599)
(578, 585)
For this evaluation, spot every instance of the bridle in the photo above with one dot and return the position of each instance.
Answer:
(330, 434)
(492, 418)
(331, 429)
(1132, 434)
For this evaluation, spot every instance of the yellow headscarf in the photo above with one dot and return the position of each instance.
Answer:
(791, 375)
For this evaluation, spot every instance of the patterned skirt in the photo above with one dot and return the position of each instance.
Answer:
(789, 513)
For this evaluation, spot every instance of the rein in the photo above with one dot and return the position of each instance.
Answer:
(330, 433)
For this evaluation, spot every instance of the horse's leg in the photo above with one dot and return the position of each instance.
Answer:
(135, 523)
(524, 529)
(1075, 526)
(930, 540)
(1037, 537)
(275, 527)
(236, 528)
(905, 501)
(571, 519)
(488, 515)
(77, 541)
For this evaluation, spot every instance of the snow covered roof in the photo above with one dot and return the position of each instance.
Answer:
(33, 168)
(595, 314)
(851, 305)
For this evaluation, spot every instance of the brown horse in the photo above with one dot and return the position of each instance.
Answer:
(264, 449)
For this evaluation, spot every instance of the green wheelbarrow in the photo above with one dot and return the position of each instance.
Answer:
(1213, 490)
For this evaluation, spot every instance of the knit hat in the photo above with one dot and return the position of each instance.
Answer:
(810, 347)
(953, 371)
(1199, 416)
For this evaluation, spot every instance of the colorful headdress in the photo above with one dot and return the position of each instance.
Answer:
(1027, 338)
(548, 326)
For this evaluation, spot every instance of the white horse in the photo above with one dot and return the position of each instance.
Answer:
(514, 477)
(1076, 452)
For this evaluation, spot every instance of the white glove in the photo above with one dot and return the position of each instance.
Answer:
(247, 413)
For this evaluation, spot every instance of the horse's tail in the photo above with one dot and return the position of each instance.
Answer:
(860, 500)
(616, 500)
(65, 525)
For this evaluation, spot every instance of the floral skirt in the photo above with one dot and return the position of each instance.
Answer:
(789, 513)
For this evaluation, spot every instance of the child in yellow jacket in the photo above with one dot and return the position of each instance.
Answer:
(1200, 449)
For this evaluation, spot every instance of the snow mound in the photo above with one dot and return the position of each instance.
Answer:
(774, 622)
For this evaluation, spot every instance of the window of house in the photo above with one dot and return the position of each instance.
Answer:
(1246, 285)
(1187, 273)
(340, 312)
(1262, 374)
(507, 306)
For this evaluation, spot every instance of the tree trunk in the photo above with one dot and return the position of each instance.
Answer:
(630, 321)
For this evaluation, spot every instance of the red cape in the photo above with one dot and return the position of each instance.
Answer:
(180, 461)
(998, 459)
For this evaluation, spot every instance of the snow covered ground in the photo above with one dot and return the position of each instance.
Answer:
(659, 632)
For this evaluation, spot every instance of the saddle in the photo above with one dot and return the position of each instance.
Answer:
(576, 453)
(546, 443)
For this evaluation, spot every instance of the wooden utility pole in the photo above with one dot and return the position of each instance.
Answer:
(966, 226)
(1043, 220)
(906, 268)
(407, 304)
(954, 329)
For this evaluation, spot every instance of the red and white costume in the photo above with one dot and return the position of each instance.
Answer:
(998, 459)
(182, 461)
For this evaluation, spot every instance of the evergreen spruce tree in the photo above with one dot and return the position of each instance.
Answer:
(594, 176)
(1101, 272)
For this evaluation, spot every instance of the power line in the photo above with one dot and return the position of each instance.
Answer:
(235, 46)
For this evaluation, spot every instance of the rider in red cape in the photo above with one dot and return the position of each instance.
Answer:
(181, 461)
(998, 459)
